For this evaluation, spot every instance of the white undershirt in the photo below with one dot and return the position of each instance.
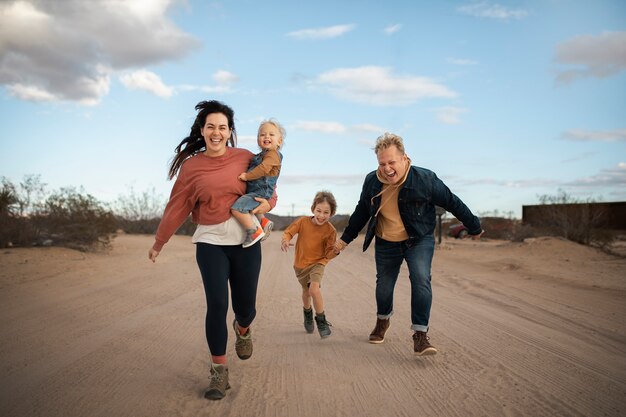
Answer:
(226, 233)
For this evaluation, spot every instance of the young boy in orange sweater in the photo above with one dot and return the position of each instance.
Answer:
(315, 246)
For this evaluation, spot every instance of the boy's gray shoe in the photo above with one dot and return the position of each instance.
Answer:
(219, 382)
(243, 345)
(323, 326)
(308, 320)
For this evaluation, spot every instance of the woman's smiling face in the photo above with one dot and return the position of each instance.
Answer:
(216, 133)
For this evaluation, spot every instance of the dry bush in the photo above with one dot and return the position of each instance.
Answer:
(574, 219)
(73, 219)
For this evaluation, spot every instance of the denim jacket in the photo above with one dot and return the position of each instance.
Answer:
(419, 195)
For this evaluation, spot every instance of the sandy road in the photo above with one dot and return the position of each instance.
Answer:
(522, 329)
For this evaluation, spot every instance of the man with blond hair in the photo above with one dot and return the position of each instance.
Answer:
(398, 200)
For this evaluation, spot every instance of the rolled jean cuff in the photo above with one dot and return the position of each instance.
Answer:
(419, 328)
(384, 316)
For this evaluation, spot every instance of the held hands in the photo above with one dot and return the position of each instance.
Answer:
(477, 237)
(243, 177)
(340, 245)
(152, 254)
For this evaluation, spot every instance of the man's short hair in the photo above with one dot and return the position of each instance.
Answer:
(388, 139)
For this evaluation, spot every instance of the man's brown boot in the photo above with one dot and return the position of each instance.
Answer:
(421, 345)
(378, 334)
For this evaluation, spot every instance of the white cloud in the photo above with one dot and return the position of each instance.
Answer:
(322, 127)
(450, 115)
(148, 81)
(610, 177)
(462, 62)
(379, 86)
(391, 29)
(67, 50)
(582, 135)
(592, 56)
(321, 33)
(223, 78)
(326, 180)
(368, 128)
(224, 83)
(492, 11)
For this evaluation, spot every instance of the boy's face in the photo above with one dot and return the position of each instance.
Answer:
(321, 213)
(269, 137)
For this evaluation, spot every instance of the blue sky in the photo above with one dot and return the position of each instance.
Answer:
(505, 100)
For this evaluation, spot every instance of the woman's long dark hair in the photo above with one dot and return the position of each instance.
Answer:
(194, 143)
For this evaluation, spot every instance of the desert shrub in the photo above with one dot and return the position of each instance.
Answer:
(574, 219)
(499, 227)
(139, 212)
(15, 229)
(523, 231)
(73, 219)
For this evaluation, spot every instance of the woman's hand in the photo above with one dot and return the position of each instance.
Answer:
(152, 254)
(263, 207)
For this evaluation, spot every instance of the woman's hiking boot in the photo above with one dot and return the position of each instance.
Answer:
(219, 382)
(243, 344)
(378, 334)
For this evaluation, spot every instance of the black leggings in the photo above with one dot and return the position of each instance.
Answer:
(218, 266)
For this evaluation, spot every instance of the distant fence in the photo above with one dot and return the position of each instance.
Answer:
(604, 215)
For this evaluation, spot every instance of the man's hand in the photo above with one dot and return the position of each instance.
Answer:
(340, 245)
(477, 237)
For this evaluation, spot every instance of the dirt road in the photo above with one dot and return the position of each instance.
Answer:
(523, 329)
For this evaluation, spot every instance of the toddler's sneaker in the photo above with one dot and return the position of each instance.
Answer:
(253, 236)
(267, 226)
(323, 326)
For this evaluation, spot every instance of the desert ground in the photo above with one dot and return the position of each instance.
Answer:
(523, 329)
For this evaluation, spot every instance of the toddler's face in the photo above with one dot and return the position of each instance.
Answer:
(321, 213)
(269, 137)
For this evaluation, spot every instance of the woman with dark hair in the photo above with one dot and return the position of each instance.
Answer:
(208, 163)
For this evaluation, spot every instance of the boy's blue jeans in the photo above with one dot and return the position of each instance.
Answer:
(418, 254)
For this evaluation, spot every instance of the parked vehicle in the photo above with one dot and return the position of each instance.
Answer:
(458, 231)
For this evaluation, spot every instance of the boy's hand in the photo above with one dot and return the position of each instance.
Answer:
(284, 245)
(243, 177)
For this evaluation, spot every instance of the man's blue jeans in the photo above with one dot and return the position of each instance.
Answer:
(418, 254)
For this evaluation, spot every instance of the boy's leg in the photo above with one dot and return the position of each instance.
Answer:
(316, 295)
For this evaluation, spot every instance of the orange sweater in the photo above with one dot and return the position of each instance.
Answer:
(206, 187)
(315, 244)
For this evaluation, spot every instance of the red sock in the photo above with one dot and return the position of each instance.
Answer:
(219, 359)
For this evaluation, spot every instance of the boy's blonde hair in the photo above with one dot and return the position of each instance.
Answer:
(386, 140)
(325, 197)
(277, 125)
